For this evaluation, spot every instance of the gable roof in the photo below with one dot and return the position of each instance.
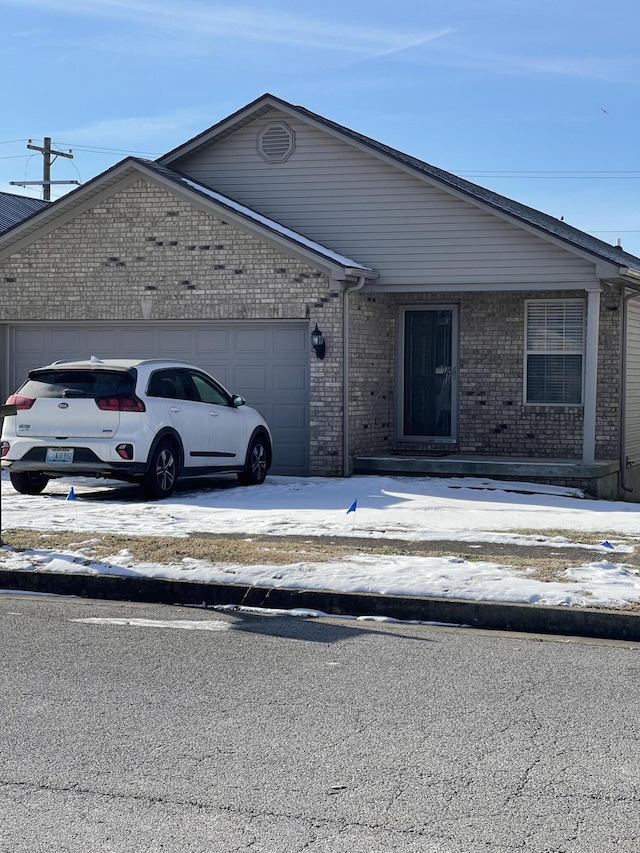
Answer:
(337, 266)
(527, 216)
(15, 208)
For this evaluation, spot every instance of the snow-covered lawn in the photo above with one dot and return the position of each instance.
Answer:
(461, 510)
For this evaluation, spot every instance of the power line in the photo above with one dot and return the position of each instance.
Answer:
(87, 148)
(49, 155)
(99, 150)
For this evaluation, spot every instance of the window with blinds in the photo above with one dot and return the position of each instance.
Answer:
(555, 334)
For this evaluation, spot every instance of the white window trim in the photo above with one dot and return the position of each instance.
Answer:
(527, 352)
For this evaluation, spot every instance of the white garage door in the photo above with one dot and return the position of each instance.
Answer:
(265, 362)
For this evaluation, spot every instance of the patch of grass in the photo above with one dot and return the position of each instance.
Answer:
(539, 562)
(578, 537)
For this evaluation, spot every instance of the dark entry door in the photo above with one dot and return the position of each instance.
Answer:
(428, 373)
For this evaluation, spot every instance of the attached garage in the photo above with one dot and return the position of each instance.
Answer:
(266, 362)
(145, 262)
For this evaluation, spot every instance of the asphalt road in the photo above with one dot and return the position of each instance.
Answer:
(276, 734)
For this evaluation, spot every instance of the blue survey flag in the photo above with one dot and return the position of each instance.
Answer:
(606, 544)
(72, 495)
(353, 506)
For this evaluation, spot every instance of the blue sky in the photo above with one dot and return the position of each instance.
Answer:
(536, 99)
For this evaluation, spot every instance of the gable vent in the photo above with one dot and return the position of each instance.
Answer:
(276, 142)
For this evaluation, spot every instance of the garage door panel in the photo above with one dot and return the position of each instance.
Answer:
(289, 378)
(290, 340)
(288, 456)
(179, 341)
(246, 340)
(267, 363)
(148, 342)
(27, 341)
(212, 341)
(96, 342)
(252, 379)
(289, 417)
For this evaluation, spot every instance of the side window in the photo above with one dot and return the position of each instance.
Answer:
(163, 384)
(208, 391)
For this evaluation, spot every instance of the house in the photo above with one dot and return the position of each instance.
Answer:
(15, 208)
(463, 333)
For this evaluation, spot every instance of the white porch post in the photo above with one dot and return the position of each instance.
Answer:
(591, 375)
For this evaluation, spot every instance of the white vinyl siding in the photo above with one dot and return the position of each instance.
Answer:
(555, 335)
(411, 231)
(632, 390)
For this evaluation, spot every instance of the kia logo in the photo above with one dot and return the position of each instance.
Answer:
(63, 405)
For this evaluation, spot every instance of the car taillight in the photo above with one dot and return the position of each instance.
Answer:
(20, 401)
(120, 404)
(4, 448)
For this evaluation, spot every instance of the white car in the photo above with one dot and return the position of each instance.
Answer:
(146, 421)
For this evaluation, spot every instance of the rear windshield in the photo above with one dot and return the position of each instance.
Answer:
(78, 383)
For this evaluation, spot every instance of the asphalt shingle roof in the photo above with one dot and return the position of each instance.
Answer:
(527, 215)
(555, 227)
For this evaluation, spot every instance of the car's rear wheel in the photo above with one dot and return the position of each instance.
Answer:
(257, 462)
(161, 476)
(28, 482)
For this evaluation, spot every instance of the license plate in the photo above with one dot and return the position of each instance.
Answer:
(59, 454)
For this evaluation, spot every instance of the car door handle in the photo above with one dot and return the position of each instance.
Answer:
(175, 409)
(213, 414)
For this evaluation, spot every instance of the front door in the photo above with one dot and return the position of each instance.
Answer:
(428, 365)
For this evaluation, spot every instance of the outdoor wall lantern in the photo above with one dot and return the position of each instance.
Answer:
(317, 342)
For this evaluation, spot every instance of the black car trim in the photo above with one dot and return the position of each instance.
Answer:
(212, 453)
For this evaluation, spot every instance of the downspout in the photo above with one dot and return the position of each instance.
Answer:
(345, 373)
(622, 436)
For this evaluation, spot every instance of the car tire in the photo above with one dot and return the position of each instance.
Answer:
(28, 482)
(257, 462)
(161, 476)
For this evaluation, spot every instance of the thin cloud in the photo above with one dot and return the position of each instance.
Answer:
(403, 47)
(140, 132)
(244, 23)
(456, 54)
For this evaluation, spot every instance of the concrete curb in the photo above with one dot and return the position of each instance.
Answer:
(497, 616)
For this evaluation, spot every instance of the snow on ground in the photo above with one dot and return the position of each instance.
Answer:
(463, 510)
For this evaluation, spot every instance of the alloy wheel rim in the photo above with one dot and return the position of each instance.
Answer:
(165, 470)
(258, 462)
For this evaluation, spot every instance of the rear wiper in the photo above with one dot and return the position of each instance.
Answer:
(73, 392)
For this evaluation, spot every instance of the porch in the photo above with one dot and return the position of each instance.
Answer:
(597, 479)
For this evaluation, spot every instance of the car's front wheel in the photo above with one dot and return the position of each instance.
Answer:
(257, 463)
(28, 482)
(161, 476)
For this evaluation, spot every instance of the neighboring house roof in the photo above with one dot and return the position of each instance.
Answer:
(284, 237)
(527, 215)
(15, 208)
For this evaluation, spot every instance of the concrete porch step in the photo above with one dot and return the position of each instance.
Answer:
(477, 465)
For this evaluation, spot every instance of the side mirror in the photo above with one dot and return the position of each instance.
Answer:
(238, 401)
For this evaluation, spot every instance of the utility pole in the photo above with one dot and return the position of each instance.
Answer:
(46, 182)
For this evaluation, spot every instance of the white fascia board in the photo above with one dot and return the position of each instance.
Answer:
(471, 287)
